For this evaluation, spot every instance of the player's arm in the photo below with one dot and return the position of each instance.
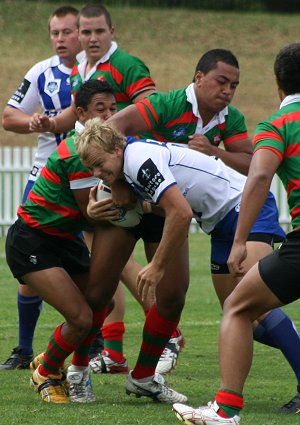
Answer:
(129, 121)
(262, 169)
(143, 95)
(14, 119)
(178, 215)
(61, 123)
(236, 155)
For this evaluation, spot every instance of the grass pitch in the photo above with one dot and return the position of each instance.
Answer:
(170, 42)
(270, 384)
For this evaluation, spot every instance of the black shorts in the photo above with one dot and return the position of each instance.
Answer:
(29, 250)
(280, 270)
(150, 228)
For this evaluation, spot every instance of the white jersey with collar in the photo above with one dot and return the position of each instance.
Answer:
(46, 85)
(210, 187)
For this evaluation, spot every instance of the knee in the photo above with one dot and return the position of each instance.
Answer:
(97, 297)
(82, 321)
(171, 305)
(236, 307)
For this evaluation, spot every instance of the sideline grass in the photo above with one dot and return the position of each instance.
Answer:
(270, 383)
(170, 41)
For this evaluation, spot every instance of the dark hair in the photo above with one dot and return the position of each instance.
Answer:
(95, 10)
(62, 11)
(89, 89)
(210, 59)
(287, 68)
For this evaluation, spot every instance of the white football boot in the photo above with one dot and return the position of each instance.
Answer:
(81, 390)
(203, 415)
(153, 387)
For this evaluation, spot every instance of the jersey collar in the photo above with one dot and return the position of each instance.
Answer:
(292, 98)
(82, 65)
(219, 118)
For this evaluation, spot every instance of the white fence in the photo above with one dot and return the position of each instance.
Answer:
(16, 162)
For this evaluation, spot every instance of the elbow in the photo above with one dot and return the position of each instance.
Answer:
(262, 178)
(185, 217)
(6, 120)
(5, 123)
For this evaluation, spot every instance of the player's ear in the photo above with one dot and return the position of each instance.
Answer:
(80, 112)
(119, 151)
(198, 77)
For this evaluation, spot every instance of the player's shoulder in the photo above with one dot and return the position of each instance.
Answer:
(125, 58)
(66, 148)
(233, 110)
(277, 119)
(170, 97)
(234, 114)
(42, 66)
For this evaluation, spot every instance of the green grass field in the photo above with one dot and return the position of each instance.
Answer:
(170, 42)
(270, 383)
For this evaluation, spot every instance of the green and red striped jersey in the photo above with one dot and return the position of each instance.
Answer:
(280, 133)
(51, 206)
(170, 118)
(128, 75)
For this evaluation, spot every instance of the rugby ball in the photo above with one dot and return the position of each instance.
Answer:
(129, 218)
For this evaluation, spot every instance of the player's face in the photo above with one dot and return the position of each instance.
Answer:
(105, 165)
(215, 90)
(95, 37)
(64, 38)
(102, 105)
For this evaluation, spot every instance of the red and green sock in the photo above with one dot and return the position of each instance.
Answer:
(58, 350)
(156, 333)
(230, 402)
(113, 340)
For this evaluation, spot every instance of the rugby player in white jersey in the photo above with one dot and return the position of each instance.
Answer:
(183, 183)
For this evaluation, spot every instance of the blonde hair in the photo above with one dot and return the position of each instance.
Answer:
(99, 135)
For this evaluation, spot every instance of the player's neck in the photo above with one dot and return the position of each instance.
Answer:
(206, 116)
(69, 63)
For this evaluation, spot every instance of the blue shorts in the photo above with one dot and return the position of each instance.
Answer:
(265, 229)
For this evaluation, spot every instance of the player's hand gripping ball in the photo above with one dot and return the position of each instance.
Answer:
(129, 218)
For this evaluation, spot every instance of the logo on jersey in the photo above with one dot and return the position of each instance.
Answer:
(217, 139)
(34, 171)
(20, 93)
(101, 78)
(52, 87)
(179, 132)
(76, 81)
(149, 177)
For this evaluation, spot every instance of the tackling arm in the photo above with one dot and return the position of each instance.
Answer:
(129, 121)
(237, 155)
